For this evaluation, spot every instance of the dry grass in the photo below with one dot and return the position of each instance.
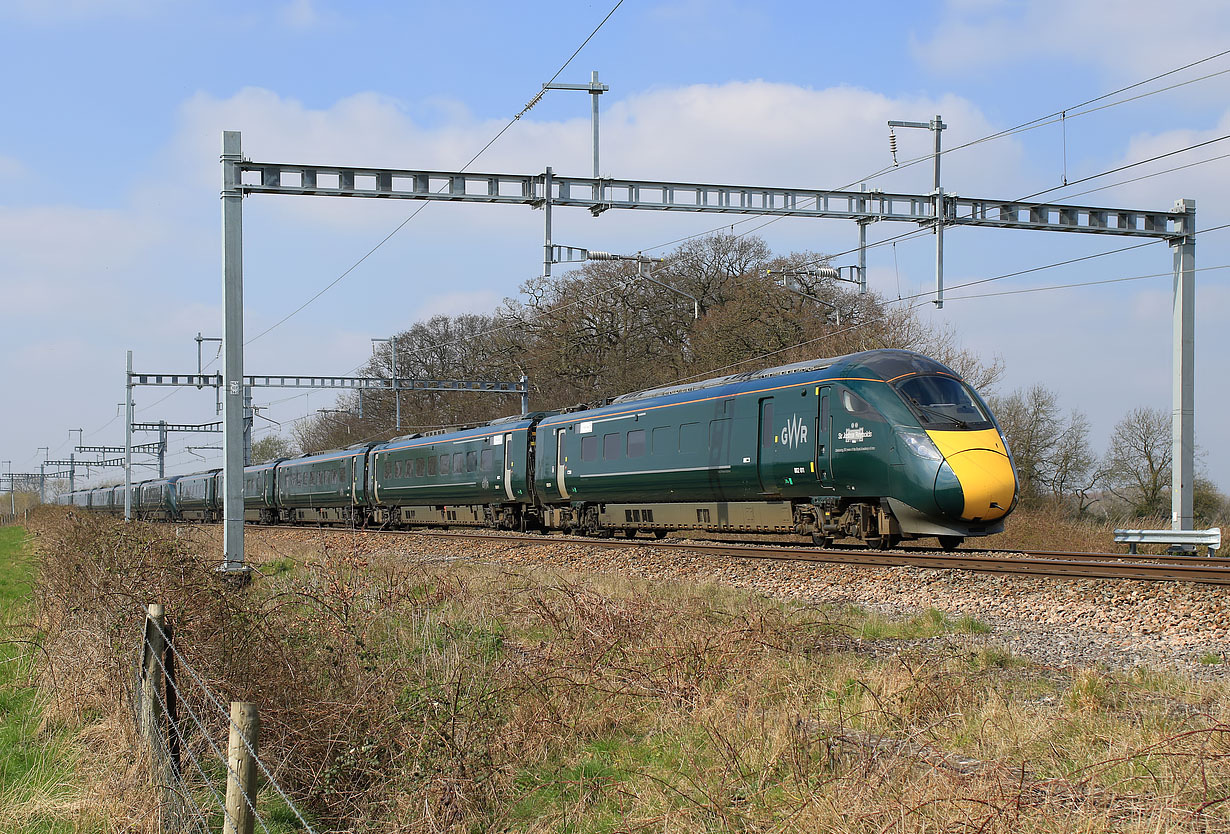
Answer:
(400, 697)
(1050, 526)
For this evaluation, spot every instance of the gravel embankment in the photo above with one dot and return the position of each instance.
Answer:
(1058, 622)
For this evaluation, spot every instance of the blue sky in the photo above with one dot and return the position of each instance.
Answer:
(115, 108)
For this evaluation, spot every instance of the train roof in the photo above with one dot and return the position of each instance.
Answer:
(885, 363)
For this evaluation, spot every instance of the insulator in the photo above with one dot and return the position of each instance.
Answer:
(892, 144)
(828, 272)
(533, 101)
(601, 256)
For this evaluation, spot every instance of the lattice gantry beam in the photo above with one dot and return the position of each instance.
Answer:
(146, 448)
(530, 190)
(337, 382)
(170, 427)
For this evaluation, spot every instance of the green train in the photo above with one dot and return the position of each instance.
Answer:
(880, 446)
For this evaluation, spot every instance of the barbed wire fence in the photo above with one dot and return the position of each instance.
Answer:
(203, 788)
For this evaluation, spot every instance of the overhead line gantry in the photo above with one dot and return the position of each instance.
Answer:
(936, 210)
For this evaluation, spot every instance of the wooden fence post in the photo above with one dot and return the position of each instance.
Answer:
(153, 717)
(151, 676)
(241, 773)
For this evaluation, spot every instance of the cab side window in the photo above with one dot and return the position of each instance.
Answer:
(854, 404)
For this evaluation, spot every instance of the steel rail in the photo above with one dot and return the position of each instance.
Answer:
(1200, 570)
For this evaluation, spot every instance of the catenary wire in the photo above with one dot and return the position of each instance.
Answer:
(1168, 274)
(999, 134)
(1024, 126)
(913, 233)
(956, 224)
(416, 212)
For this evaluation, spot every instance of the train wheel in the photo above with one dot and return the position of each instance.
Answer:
(820, 540)
(951, 543)
(629, 532)
(659, 534)
(889, 542)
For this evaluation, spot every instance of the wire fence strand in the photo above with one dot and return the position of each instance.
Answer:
(183, 786)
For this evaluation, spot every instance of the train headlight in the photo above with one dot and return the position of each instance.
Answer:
(921, 445)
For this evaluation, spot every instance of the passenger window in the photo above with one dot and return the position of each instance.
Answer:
(397, 469)
(610, 446)
(471, 461)
(457, 462)
(662, 440)
(431, 465)
(636, 443)
(768, 431)
(488, 458)
(719, 433)
(420, 467)
(589, 447)
(689, 437)
(444, 462)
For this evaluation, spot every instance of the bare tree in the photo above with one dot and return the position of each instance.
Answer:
(1052, 452)
(600, 331)
(272, 446)
(1138, 461)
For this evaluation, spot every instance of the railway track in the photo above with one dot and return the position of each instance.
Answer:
(1062, 564)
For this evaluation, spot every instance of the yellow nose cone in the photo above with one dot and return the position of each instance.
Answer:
(981, 464)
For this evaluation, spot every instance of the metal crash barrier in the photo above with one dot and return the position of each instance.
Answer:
(1177, 539)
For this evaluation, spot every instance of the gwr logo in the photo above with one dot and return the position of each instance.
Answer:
(794, 433)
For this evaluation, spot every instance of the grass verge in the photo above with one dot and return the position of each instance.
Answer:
(460, 697)
(38, 790)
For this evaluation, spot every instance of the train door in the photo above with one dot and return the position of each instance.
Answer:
(508, 462)
(561, 462)
(768, 448)
(824, 428)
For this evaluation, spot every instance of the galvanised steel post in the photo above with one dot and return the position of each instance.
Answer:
(128, 415)
(162, 448)
(248, 419)
(232, 349)
(546, 208)
(595, 90)
(937, 126)
(72, 469)
(525, 394)
(396, 387)
(862, 257)
(937, 198)
(1183, 455)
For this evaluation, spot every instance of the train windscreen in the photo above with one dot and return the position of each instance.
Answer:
(943, 403)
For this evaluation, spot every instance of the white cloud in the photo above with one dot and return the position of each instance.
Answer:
(69, 260)
(299, 14)
(1129, 39)
(455, 259)
(11, 168)
(50, 12)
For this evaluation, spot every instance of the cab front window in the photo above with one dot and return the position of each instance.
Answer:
(943, 403)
